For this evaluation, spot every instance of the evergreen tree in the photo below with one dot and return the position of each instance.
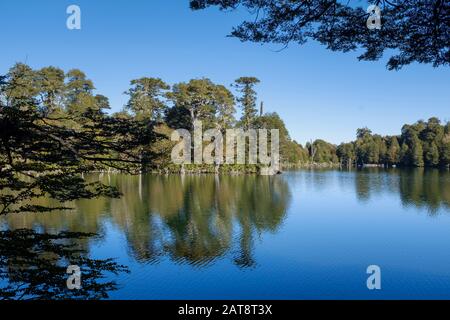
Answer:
(393, 152)
(431, 152)
(405, 155)
(79, 93)
(346, 153)
(417, 153)
(50, 83)
(146, 100)
(247, 100)
(445, 147)
(21, 84)
(200, 99)
(225, 109)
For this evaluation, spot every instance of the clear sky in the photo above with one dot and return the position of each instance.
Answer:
(319, 93)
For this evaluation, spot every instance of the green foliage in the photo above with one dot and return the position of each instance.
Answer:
(346, 153)
(147, 98)
(21, 84)
(321, 151)
(202, 100)
(420, 144)
(289, 151)
(417, 153)
(50, 83)
(78, 93)
(405, 157)
(368, 147)
(394, 152)
(225, 109)
(54, 128)
(412, 31)
(445, 153)
(45, 148)
(247, 100)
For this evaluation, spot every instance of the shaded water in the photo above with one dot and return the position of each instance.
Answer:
(304, 234)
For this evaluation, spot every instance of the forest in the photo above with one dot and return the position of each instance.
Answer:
(66, 101)
(68, 98)
(422, 144)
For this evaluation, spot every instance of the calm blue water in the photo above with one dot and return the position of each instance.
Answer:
(300, 235)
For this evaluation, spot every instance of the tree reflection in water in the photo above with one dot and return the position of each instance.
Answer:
(421, 188)
(33, 266)
(194, 219)
(191, 219)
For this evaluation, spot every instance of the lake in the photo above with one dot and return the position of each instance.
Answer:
(307, 234)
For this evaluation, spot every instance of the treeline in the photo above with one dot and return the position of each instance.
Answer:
(178, 106)
(423, 144)
(69, 97)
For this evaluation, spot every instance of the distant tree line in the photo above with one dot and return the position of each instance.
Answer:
(423, 144)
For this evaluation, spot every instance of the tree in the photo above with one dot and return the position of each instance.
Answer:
(199, 97)
(431, 152)
(324, 152)
(50, 83)
(42, 156)
(300, 154)
(290, 152)
(445, 147)
(393, 152)
(21, 84)
(247, 100)
(445, 153)
(433, 130)
(225, 109)
(362, 133)
(147, 98)
(178, 117)
(410, 137)
(346, 153)
(101, 103)
(367, 149)
(79, 97)
(417, 31)
(405, 155)
(417, 153)
(432, 137)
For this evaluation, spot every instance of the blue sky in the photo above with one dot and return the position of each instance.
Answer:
(319, 93)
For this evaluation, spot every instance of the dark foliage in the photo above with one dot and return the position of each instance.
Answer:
(416, 30)
(34, 265)
(44, 153)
